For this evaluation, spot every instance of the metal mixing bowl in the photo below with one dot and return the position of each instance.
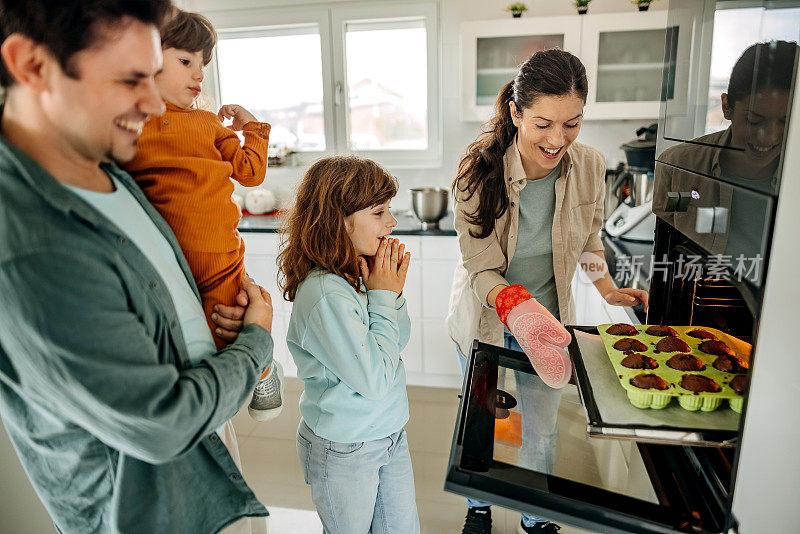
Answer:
(429, 205)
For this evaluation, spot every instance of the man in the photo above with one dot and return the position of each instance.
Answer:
(107, 389)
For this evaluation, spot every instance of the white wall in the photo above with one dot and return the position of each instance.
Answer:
(606, 136)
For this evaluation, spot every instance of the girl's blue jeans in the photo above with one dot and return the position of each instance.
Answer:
(366, 486)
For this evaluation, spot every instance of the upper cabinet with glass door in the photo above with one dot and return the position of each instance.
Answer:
(624, 58)
(491, 52)
(623, 54)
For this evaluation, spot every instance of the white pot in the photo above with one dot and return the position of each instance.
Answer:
(260, 201)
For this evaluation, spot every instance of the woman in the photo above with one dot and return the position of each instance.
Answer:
(528, 208)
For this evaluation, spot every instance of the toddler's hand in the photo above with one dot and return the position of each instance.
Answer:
(388, 268)
(239, 115)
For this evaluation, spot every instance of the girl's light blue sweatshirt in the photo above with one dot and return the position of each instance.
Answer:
(346, 346)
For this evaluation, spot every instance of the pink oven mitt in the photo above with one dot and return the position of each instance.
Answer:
(543, 339)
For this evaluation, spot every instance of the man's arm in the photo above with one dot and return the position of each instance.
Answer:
(78, 350)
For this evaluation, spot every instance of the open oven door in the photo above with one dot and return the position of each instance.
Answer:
(524, 446)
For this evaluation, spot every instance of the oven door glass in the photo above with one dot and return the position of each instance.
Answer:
(742, 66)
(519, 444)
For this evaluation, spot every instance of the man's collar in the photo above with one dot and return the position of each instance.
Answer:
(16, 162)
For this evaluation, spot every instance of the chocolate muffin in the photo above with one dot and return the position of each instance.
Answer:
(699, 384)
(714, 346)
(699, 333)
(639, 361)
(628, 344)
(672, 344)
(730, 364)
(649, 381)
(686, 362)
(661, 331)
(739, 384)
(622, 329)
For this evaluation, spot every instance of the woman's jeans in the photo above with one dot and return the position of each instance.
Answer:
(359, 488)
(538, 404)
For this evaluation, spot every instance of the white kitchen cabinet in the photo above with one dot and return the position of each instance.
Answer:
(260, 262)
(413, 353)
(440, 351)
(624, 58)
(412, 291)
(281, 351)
(492, 50)
(441, 248)
(623, 53)
(436, 283)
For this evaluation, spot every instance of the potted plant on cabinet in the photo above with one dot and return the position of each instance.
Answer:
(583, 6)
(517, 9)
(642, 4)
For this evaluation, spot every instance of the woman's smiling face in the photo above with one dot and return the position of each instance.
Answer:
(758, 123)
(545, 130)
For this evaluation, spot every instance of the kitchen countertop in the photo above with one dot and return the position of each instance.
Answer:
(407, 224)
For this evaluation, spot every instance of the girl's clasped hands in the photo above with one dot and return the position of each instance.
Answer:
(388, 268)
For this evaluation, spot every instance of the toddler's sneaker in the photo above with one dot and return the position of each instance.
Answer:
(267, 401)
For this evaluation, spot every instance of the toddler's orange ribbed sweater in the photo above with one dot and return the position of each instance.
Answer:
(183, 165)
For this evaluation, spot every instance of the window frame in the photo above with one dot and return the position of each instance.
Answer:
(331, 19)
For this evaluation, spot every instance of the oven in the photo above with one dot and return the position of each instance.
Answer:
(585, 455)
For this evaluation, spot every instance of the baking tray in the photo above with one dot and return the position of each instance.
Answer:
(609, 413)
(688, 400)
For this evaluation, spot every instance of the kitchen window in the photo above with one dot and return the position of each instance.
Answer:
(360, 79)
(288, 93)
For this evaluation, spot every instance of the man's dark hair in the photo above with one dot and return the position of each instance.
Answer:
(66, 27)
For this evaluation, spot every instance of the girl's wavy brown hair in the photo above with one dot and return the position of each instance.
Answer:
(314, 235)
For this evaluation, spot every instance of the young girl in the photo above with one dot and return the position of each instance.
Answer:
(349, 323)
(184, 164)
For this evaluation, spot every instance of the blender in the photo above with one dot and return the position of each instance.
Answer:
(633, 219)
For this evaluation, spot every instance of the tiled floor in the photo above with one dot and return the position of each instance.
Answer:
(273, 470)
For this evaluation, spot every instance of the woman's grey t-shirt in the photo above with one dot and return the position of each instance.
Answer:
(532, 264)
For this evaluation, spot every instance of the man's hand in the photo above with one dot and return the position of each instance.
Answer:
(388, 269)
(231, 319)
(239, 115)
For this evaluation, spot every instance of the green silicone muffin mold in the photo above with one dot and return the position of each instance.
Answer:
(658, 399)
